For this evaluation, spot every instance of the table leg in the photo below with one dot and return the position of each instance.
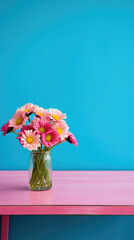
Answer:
(4, 227)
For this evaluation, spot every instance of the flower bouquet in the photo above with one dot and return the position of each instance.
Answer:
(39, 130)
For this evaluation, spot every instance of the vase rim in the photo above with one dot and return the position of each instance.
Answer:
(40, 152)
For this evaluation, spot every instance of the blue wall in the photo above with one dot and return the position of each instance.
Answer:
(76, 56)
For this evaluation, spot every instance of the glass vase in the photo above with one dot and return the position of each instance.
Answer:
(40, 171)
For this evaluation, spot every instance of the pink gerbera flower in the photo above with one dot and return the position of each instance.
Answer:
(25, 127)
(18, 119)
(6, 129)
(28, 108)
(41, 126)
(30, 140)
(62, 129)
(35, 119)
(71, 139)
(57, 114)
(42, 113)
(50, 138)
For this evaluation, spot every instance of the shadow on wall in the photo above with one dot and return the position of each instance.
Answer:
(71, 227)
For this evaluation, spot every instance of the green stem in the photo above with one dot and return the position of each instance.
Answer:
(29, 119)
(15, 133)
(45, 148)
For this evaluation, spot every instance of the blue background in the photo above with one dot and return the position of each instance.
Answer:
(77, 56)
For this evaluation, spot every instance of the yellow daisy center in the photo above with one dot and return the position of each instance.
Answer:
(26, 110)
(29, 139)
(56, 117)
(42, 129)
(59, 130)
(19, 121)
(39, 113)
(48, 137)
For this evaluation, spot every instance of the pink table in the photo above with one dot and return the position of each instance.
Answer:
(73, 193)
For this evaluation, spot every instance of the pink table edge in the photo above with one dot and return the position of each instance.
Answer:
(67, 210)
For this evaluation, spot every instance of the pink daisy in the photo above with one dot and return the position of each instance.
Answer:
(57, 114)
(42, 113)
(25, 127)
(35, 119)
(18, 119)
(50, 138)
(28, 108)
(71, 139)
(6, 129)
(41, 126)
(62, 129)
(30, 140)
